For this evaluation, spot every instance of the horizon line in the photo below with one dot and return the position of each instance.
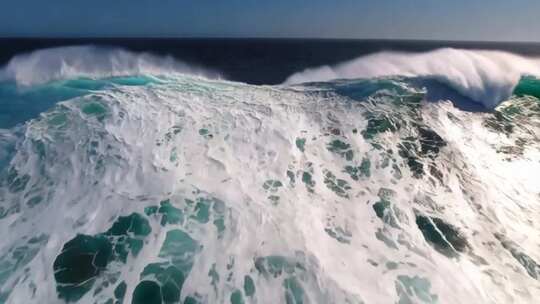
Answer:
(271, 38)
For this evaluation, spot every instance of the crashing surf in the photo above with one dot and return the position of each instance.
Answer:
(155, 186)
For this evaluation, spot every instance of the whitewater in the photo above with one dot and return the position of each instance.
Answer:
(391, 178)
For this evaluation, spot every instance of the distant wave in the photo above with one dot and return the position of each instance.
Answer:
(46, 65)
(488, 77)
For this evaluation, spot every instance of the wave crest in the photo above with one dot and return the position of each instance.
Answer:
(488, 77)
(46, 65)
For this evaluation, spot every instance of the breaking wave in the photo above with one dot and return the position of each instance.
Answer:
(47, 65)
(488, 77)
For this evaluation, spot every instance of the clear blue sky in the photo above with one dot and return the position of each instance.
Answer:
(407, 19)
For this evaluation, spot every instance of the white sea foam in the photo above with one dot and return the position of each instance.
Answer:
(488, 77)
(185, 139)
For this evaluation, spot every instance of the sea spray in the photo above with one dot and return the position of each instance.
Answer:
(487, 77)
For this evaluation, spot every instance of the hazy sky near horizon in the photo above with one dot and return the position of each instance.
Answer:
(493, 20)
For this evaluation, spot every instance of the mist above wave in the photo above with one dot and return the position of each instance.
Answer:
(488, 77)
(46, 65)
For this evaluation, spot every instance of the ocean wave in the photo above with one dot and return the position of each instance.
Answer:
(51, 64)
(359, 192)
(488, 77)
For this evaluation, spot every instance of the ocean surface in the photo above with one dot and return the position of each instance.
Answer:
(269, 171)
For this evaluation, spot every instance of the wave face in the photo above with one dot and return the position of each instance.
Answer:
(488, 77)
(179, 189)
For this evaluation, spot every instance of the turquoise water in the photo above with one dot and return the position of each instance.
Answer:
(19, 104)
